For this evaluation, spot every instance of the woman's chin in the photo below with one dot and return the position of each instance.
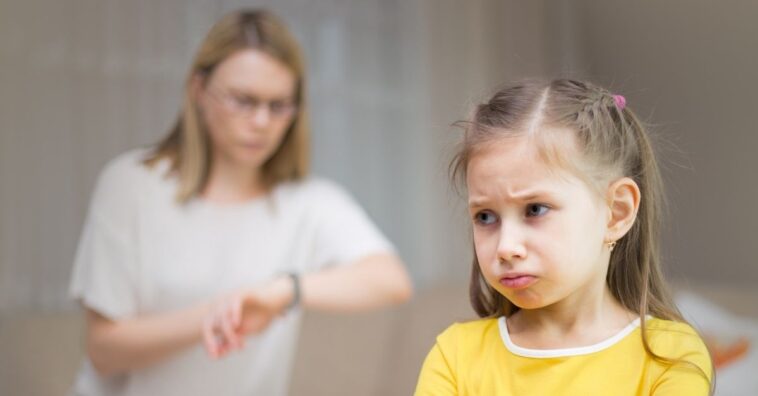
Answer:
(250, 158)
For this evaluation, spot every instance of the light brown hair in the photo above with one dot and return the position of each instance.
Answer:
(187, 145)
(613, 143)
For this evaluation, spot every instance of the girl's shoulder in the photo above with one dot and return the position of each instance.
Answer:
(678, 340)
(470, 334)
(656, 327)
(465, 343)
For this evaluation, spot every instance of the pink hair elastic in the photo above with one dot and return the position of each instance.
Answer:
(620, 101)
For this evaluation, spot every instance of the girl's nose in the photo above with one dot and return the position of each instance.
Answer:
(511, 246)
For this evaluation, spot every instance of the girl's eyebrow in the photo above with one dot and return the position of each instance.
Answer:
(477, 202)
(528, 195)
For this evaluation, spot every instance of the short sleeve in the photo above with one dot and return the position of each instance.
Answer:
(691, 377)
(437, 377)
(343, 231)
(105, 269)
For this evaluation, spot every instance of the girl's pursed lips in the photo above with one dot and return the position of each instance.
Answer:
(518, 280)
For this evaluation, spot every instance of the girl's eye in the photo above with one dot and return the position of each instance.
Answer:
(485, 217)
(536, 210)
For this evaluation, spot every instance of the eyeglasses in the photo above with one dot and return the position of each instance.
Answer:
(248, 106)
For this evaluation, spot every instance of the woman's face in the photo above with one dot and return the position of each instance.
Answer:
(247, 104)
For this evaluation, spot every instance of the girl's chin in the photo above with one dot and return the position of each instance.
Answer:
(527, 306)
(524, 301)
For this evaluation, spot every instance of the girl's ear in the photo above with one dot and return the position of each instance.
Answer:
(623, 198)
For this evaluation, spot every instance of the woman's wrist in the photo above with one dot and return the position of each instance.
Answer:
(282, 292)
(296, 290)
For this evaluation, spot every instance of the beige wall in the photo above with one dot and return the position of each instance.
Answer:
(84, 81)
(689, 67)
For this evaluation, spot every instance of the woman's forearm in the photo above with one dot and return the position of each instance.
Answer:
(372, 282)
(116, 347)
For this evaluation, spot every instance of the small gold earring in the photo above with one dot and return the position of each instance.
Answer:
(611, 245)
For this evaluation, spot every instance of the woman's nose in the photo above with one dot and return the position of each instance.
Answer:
(261, 117)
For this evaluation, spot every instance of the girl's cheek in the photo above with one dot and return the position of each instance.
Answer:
(480, 249)
(482, 240)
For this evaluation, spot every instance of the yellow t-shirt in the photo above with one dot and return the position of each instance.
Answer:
(478, 358)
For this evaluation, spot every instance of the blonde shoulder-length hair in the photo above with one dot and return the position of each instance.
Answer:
(187, 146)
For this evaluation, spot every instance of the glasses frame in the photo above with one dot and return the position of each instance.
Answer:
(248, 106)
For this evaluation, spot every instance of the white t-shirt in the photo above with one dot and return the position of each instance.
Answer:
(142, 253)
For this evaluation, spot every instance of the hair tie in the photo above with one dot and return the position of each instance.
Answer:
(620, 101)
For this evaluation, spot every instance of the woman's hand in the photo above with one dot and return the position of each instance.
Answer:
(242, 313)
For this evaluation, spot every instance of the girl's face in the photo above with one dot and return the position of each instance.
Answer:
(247, 104)
(538, 231)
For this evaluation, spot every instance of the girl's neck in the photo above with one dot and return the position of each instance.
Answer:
(579, 320)
(232, 183)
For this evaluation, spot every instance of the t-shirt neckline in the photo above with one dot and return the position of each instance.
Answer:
(563, 352)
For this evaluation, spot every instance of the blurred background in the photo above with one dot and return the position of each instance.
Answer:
(84, 80)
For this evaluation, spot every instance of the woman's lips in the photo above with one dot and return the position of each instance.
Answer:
(253, 146)
(518, 281)
(252, 149)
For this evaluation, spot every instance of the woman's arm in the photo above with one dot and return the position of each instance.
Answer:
(120, 346)
(371, 282)
(116, 347)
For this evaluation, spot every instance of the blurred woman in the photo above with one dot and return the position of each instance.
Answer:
(199, 254)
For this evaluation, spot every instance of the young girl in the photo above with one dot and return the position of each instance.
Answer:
(564, 196)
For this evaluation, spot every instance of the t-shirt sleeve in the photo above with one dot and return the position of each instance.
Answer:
(437, 377)
(343, 231)
(105, 271)
(684, 378)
